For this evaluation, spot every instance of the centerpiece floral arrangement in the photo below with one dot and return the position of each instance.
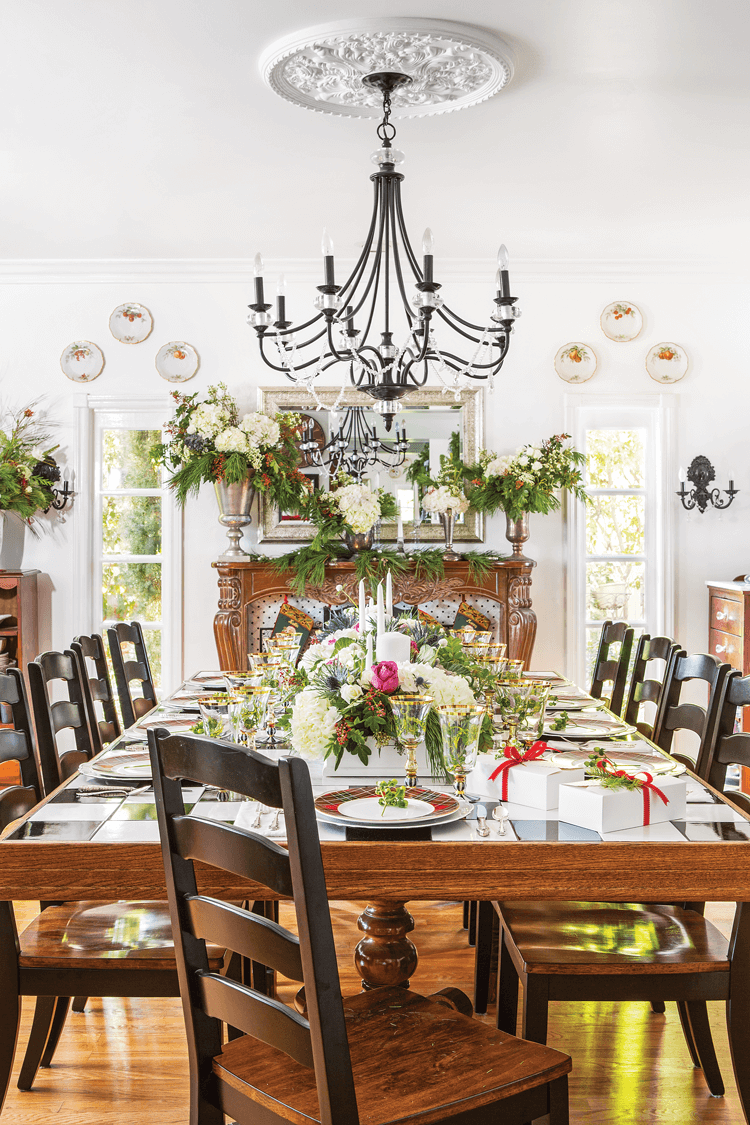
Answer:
(528, 480)
(28, 470)
(209, 441)
(344, 703)
(347, 506)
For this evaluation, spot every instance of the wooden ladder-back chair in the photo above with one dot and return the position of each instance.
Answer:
(371, 1051)
(97, 688)
(53, 717)
(17, 745)
(609, 670)
(128, 672)
(643, 689)
(730, 748)
(674, 715)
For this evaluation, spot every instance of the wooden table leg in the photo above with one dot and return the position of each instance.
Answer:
(385, 955)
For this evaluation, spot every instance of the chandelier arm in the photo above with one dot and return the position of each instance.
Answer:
(455, 328)
(466, 368)
(298, 367)
(387, 272)
(468, 323)
(399, 271)
(374, 284)
(376, 215)
(359, 268)
(411, 256)
(294, 328)
(346, 358)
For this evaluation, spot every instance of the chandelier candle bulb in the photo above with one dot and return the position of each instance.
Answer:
(503, 262)
(327, 248)
(427, 250)
(258, 272)
(281, 299)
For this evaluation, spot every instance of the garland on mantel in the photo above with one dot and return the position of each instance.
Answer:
(307, 565)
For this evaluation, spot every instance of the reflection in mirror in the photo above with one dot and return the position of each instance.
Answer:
(354, 439)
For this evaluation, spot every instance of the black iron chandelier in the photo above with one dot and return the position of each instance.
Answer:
(343, 331)
(355, 447)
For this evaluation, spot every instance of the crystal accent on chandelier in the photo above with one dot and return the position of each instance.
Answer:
(384, 325)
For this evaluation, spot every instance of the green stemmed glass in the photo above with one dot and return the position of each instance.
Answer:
(460, 726)
(410, 715)
(248, 713)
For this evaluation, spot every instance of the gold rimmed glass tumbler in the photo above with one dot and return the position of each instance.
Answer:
(410, 716)
(460, 726)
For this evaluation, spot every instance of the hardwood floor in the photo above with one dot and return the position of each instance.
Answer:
(629, 1065)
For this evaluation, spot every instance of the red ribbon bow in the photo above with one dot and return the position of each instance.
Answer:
(646, 786)
(514, 757)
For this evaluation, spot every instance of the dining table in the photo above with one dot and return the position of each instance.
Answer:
(102, 846)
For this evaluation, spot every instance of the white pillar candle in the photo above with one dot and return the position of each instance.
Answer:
(393, 646)
(362, 608)
(381, 610)
(389, 595)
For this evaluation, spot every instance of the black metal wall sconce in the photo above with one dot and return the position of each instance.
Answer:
(700, 474)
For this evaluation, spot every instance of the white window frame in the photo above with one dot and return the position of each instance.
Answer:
(149, 413)
(655, 414)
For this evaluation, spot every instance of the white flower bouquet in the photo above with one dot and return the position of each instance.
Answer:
(528, 480)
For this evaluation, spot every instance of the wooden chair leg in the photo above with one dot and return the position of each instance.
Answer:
(658, 1006)
(698, 1016)
(485, 914)
(10, 1018)
(79, 1003)
(44, 1012)
(687, 1031)
(472, 923)
(58, 1023)
(534, 1011)
(738, 1029)
(558, 1102)
(507, 988)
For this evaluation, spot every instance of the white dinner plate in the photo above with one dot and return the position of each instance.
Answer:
(423, 822)
(370, 809)
(120, 765)
(592, 728)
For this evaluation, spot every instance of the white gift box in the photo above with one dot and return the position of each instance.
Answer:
(590, 805)
(534, 784)
(384, 761)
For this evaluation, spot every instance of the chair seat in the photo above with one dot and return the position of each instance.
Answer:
(86, 935)
(571, 937)
(412, 1057)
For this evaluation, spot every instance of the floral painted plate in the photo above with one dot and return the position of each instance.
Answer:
(667, 363)
(622, 320)
(131, 324)
(440, 808)
(575, 363)
(177, 362)
(82, 361)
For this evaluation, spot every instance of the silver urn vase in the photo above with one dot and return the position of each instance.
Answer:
(235, 502)
(448, 523)
(517, 533)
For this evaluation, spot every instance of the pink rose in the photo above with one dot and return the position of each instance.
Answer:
(415, 647)
(385, 676)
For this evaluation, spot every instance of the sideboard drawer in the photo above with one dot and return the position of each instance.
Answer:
(727, 647)
(726, 615)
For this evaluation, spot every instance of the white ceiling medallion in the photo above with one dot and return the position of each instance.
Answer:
(453, 65)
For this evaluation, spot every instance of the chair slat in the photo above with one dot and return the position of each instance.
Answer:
(686, 716)
(189, 758)
(250, 935)
(14, 746)
(233, 849)
(65, 714)
(257, 1015)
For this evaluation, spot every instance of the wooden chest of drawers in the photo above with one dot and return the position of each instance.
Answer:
(729, 634)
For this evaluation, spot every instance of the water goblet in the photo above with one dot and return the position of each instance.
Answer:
(238, 681)
(215, 716)
(460, 726)
(410, 716)
(509, 706)
(248, 712)
(531, 722)
(513, 669)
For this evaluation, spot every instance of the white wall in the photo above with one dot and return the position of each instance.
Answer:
(707, 316)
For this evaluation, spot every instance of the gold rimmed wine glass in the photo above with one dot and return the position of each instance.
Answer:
(460, 727)
(410, 715)
(509, 706)
(215, 716)
(238, 681)
(248, 713)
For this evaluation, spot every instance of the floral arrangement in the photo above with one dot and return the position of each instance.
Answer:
(446, 490)
(344, 704)
(27, 468)
(348, 506)
(527, 480)
(208, 441)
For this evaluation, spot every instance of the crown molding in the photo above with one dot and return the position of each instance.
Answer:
(175, 271)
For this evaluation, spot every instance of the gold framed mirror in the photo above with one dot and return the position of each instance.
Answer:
(430, 415)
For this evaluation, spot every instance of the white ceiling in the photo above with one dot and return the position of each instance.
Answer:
(142, 129)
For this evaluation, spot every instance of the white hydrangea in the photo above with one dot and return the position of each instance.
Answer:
(359, 507)
(231, 440)
(441, 499)
(498, 467)
(448, 690)
(313, 723)
(324, 650)
(260, 429)
(207, 420)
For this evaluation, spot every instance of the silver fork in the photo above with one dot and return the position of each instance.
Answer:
(258, 815)
(274, 825)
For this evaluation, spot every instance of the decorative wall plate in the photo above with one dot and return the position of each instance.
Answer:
(82, 361)
(575, 363)
(452, 65)
(177, 362)
(622, 320)
(667, 363)
(131, 324)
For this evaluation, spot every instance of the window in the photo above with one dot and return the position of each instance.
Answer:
(134, 564)
(618, 556)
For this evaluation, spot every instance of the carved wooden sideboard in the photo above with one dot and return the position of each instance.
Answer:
(507, 583)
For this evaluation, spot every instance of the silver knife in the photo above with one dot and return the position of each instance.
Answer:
(482, 829)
